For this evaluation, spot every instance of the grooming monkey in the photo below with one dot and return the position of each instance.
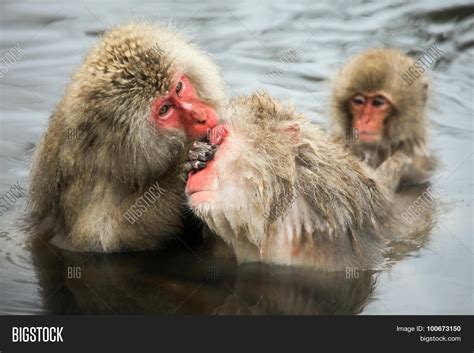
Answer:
(381, 117)
(107, 174)
(280, 191)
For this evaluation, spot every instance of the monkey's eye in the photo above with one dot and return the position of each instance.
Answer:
(179, 87)
(164, 109)
(379, 101)
(358, 99)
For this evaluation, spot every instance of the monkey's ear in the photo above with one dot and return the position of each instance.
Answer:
(293, 132)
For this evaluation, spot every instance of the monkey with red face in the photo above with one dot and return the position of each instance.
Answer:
(107, 174)
(381, 118)
(280, 191)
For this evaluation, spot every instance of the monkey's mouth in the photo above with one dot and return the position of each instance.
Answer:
(198, 195)
(368, 136)
(200, 186)
(201, 197)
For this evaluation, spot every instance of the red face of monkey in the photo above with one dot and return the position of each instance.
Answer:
(182, 109)
(369, 112)
(243, 177)
(232, 181)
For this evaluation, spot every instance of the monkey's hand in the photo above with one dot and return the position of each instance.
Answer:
(198, 156)
(202, 152)
(390, 172)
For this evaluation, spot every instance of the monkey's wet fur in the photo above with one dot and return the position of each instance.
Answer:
(83, 184)
(280, 191)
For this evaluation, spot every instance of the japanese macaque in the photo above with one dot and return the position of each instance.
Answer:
(107, 174)
(382, 118)
(280, 191)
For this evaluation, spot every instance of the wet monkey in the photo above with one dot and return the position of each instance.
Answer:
(107, 173)
(381, 116)
(280, 191)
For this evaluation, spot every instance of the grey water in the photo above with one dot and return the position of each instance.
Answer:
(249, 40)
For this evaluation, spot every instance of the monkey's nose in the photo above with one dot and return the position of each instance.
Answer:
(199, 116)
(201, 119)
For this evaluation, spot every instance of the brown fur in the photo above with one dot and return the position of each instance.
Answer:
(338, 215)
(381, 70)
(82, 185)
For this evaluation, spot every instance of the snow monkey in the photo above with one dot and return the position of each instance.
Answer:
(106, 176)
(381, 116)
(280, 191)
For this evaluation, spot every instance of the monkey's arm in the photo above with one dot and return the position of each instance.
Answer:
(99, 217)
(391, 171)
(420, 170)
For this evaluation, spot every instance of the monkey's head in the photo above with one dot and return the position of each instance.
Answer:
(142, 93)
(377, 100)
(253, 174)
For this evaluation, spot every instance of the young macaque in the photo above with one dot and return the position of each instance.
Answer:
(382, 118)
(280, 191)
(107, 174)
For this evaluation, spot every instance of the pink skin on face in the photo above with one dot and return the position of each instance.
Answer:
(369, 112)
(182, 109)
(199, 186)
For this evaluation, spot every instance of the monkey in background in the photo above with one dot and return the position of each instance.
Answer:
(280, 191)
(140, 98)
(381, 117)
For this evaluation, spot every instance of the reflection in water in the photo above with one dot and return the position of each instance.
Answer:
(165, 282)
(73, 283)
(291, 290)
(196, 281)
